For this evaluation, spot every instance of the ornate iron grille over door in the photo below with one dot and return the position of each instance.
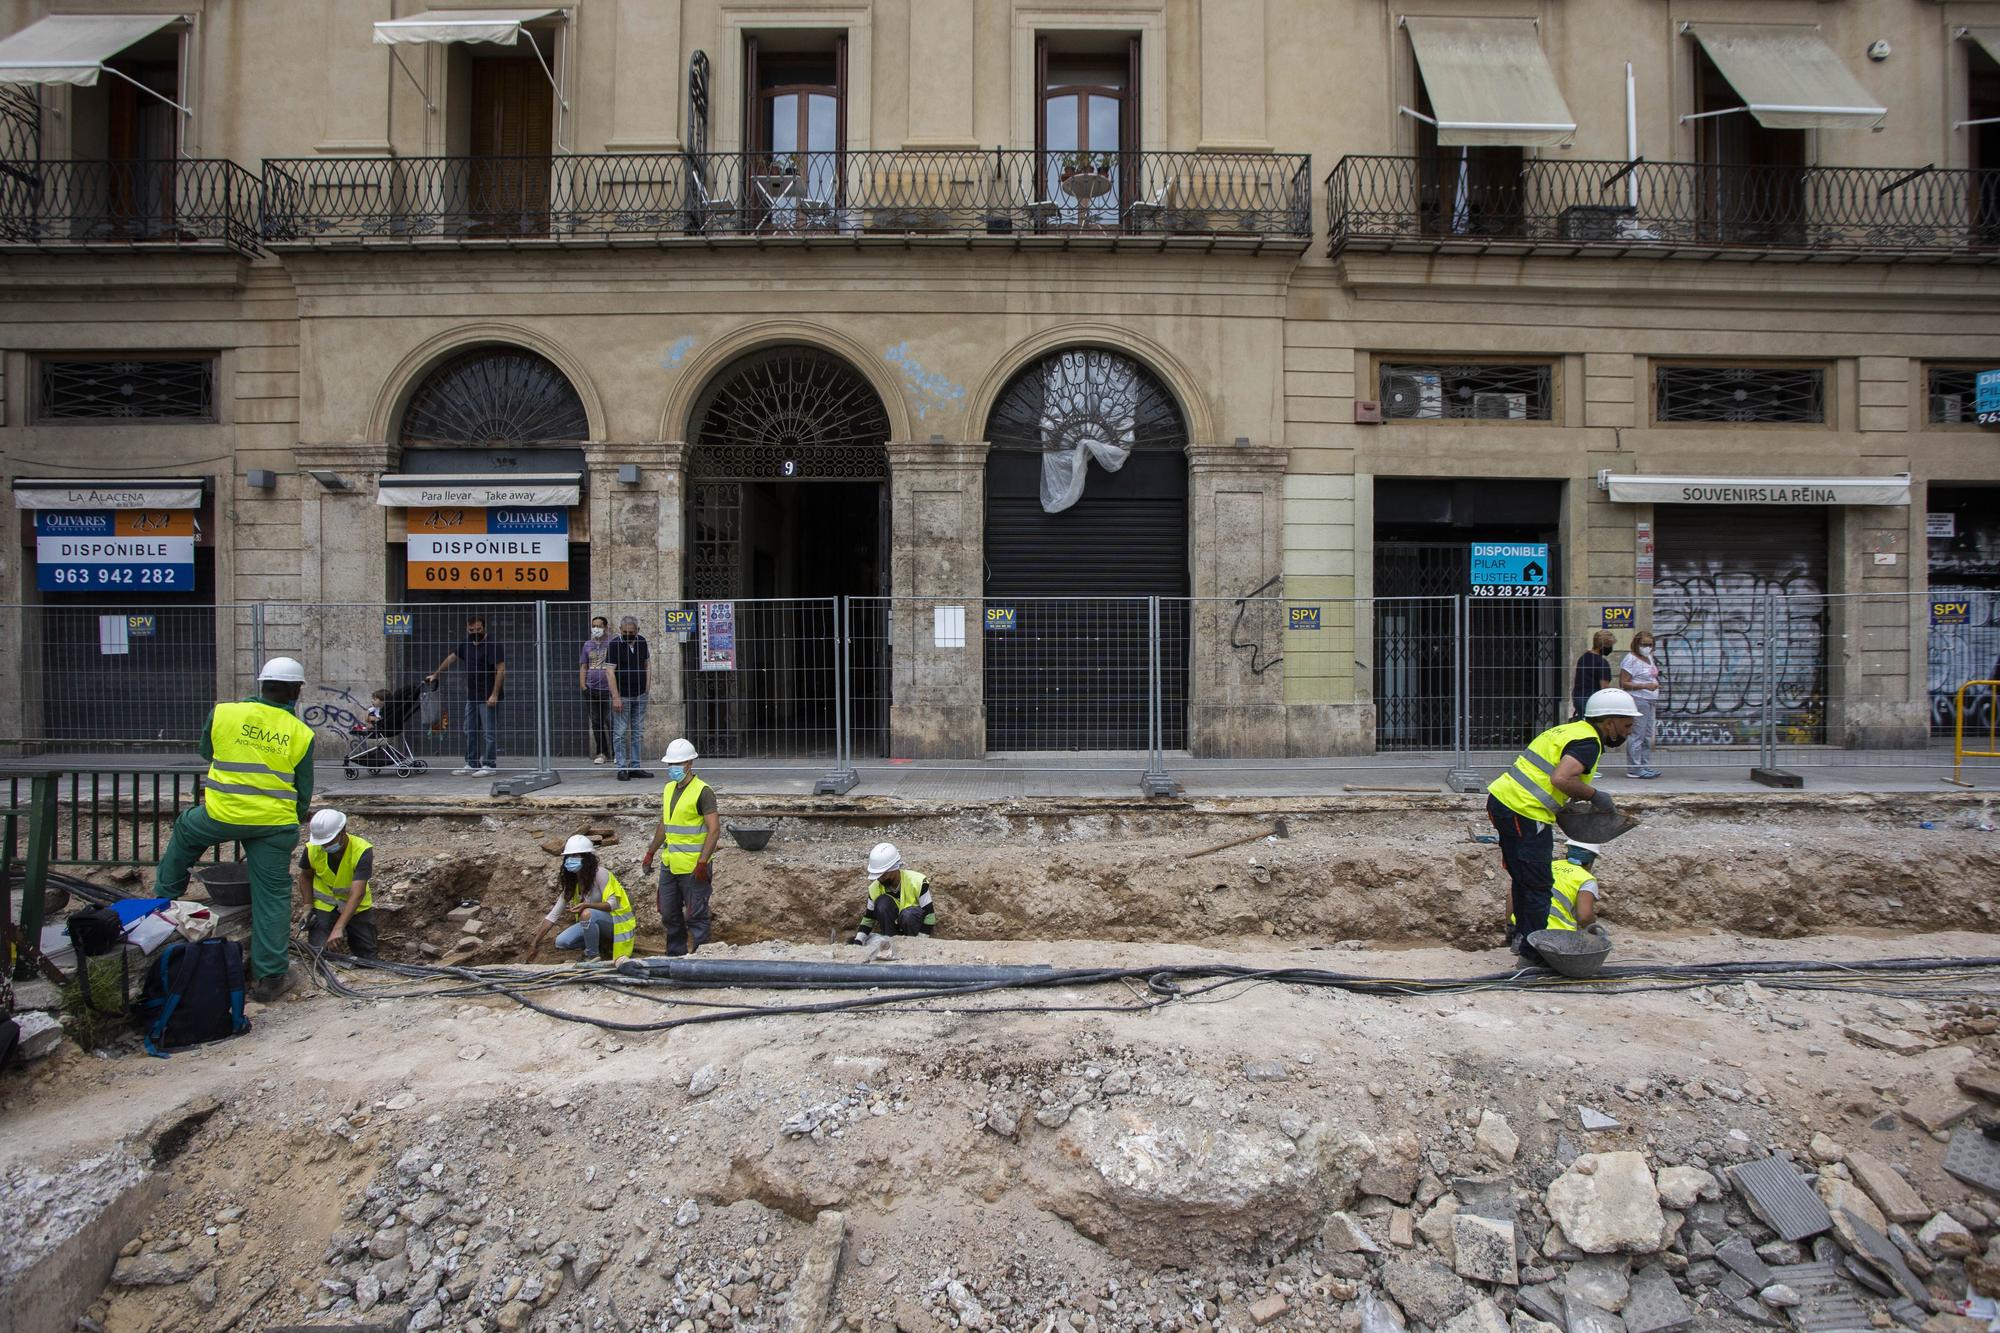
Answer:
(495, 396)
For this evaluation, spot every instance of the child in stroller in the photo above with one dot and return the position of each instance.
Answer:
(379, 743)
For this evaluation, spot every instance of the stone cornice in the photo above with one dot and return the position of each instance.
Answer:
(909, 455)
(376, 458)
(1238, 458)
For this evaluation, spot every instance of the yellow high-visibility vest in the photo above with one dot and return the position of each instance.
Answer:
(1528, 786)
(681, 818)
(252, 778)
(624, 925)
(331, 883)
(1570, 880)
(912, 890)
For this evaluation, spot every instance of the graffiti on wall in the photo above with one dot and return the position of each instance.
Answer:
(1966, 567)
(1715, 650)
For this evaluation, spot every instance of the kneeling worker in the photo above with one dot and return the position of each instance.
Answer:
(591, 894)
(1557, 766)
(336, 869)
(1573, 904)
(899, 900)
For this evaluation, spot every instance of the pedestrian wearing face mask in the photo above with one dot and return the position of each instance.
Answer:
(688, 830)
(485, 680)
(600, 689)
(630, 661)
(1639, 675)
(596, 904)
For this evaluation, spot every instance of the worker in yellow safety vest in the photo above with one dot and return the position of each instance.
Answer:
(1557, 767)
(688, 831)
(335, 871)
(597, 903)
(257, 791)
(1575, 893)
(899, 899)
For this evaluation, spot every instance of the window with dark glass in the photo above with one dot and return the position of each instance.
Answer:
(1951, 395)
(1087, 121)
(1751, 189)
(1764, 395)
(1982, 138)
(1461, 190)
(1466, 391)
(796, 119)
(104, 389)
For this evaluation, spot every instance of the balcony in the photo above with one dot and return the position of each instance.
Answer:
(119, 206)
(1668, 209)
(1249, 201)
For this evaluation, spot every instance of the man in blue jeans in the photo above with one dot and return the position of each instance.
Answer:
(485, 673)
(630, 658)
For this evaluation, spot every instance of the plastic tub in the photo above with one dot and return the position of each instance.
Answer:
(750, 839)
(227, 885)
(1573, 953)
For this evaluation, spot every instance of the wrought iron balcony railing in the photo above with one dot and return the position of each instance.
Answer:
(1569, 207)
(179, 202)
(1258, 198)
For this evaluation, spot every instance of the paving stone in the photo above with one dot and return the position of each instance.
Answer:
(1981, 1083)
(1974, 1159)
(1880, 1251)
(1542, 1302)
(1483, 1249)
(1936, 1111)
(1891, 1193)
(1580, 1316)
(1738, 1257)
(1894, 1040)
(1654, 1305)
(1778, 1195)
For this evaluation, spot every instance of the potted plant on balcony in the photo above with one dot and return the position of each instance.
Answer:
(1085, 164)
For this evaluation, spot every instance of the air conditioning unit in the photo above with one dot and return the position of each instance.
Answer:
(1500, 406)
(1408, 396)
(1948, 409)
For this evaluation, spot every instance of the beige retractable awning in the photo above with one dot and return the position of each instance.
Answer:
(500, 26)
(1987, 39)
(1788, 78)
(1490, 82)
(72, 48)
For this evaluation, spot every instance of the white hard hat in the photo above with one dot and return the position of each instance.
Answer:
(884, 858)
(325, 827)
(1610, 703)
(679, 751)
(287, 669)
(578, 845)
(1594, 848)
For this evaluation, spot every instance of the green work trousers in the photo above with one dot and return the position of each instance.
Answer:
(268, 847)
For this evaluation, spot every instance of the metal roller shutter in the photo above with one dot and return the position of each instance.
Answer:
(1072, 674)
(1716, 567)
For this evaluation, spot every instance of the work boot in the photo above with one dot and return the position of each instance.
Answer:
(268, 990)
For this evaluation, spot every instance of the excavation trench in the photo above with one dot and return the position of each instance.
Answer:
(1409, 872)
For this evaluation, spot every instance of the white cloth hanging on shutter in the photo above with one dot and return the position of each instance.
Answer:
(1063, 471)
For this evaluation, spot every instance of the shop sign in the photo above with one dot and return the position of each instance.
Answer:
(1305, 618)
(1951, 613)
(79, 550)
(1986, 400)
(1510, 569)
(1757, 491)
(1618, 617)
(477, 549)
(717, 635)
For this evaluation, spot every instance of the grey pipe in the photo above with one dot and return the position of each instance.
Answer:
(780, 973)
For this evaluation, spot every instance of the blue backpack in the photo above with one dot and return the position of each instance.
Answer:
(194, 994)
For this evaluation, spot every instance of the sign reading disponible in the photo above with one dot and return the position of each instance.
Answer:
(472, 548)
(82, 550)
(1510, 569)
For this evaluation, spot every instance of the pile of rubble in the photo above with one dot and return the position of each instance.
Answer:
(1824, 1240)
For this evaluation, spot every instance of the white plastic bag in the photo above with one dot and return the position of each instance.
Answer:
(1063, 471)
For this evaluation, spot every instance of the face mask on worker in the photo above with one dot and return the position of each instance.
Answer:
(572, 864)
(1613, 742)
(597, 631)
(678, 772)
(475, 634)
(630, 635)
(1646, 650)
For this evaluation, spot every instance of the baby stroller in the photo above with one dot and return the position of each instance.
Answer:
(379, 744)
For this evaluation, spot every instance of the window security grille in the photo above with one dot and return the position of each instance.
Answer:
(1952, 396)
(1760, 394)
(1474, 392)
(178, 389)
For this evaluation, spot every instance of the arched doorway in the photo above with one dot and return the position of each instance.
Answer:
(1086, 498)
(787, 509)
(469, 428)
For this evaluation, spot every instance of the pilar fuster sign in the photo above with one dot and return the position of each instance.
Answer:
(1766, 491)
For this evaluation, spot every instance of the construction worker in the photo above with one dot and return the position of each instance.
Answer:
(1573, 904)
(688, 829)
(1558, 766)
(591, 895)
(899, 900)
(257, 791)
(335, 871)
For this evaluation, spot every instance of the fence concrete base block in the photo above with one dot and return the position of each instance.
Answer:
(1777, 777)
(1158, 784)
(1464, 780)
(837, 784)
(59, 1272)
(526, 783)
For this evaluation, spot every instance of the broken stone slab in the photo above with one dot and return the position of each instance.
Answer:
(1936, 1112)
(1343, 1234)
(1894, 1040)
(1845, 1196)
(1655, 1304)
(812, 1290)
(1869, 1243)
(1580, 1316)
(1392, 1167)
(1402, 1229)
(40, 1034)
(1483, 1317)
(156, 1270)
(1738, 1257)
(1266, 1071)
(1945, 1235)
(1527, 1323)
(1435, 1225)
(1378, 1315)
(1601, 1280)
(1426, 1290)
(1606, 1203)
(1483, 1250)
(1684, 1186)
(1594, 1120)
(1267, 1309)
(1542, 1301)
(1882, 1183)
(1496, 1137)
(1981, 1083)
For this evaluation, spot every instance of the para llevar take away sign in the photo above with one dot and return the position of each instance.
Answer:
(1510, 569)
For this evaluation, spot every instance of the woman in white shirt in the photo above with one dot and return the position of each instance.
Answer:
(1639, 675)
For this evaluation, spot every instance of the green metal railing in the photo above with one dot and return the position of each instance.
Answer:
(22, 944)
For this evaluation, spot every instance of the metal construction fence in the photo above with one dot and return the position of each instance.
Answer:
(835, 686)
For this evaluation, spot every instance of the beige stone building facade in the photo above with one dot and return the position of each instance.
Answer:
(1329, 301)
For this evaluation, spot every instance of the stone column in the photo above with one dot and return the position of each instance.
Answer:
(625, 529)
(1236, 696)
(937, 504)
(337, 628)
(668, 718)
